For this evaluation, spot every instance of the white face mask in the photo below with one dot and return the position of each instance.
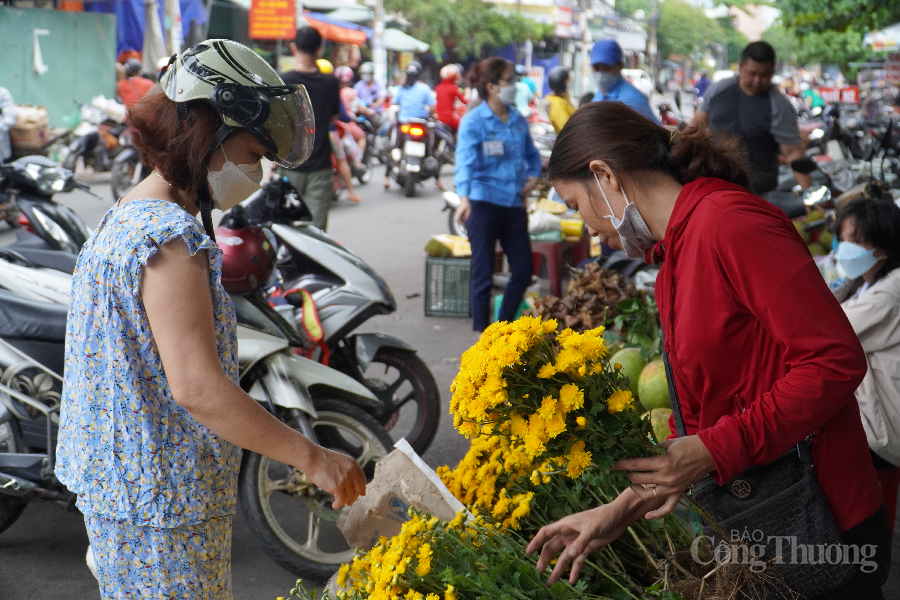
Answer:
(632, 229)
(605, 81)
(507, 94)
(233, 183)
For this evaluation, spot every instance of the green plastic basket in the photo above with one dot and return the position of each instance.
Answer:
(447, 287)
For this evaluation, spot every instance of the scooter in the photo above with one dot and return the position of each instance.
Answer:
(96, 139)
(345, 292)
(30, 183)
(412, 160)
(291, 519)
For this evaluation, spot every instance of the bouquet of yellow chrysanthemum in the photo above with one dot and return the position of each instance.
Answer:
(551, 395)
(547, 415)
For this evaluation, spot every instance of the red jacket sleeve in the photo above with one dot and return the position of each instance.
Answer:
(762, 259)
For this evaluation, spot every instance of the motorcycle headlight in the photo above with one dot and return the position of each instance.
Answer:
(49, 180)
(55, 231)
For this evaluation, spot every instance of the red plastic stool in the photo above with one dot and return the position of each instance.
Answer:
(553, 252)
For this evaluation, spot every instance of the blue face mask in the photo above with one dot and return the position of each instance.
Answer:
(855, 260)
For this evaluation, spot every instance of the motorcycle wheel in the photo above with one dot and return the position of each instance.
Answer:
(456, 228)
(401, 379)
(11, 507)
(409, 185)
(291, 519)
(124, 176)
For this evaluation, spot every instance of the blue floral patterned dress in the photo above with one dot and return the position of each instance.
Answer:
(157, 488)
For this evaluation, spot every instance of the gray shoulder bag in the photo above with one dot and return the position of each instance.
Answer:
(779, 512)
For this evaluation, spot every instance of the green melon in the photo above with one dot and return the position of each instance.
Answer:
(807, 236)
(659, 420)
(632, 364)
(816, 249)
(826, 238)
(653, 389)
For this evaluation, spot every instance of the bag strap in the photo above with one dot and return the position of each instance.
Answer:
(804, 448)
(673, 391)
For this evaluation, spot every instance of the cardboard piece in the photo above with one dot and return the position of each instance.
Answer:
(32, 128)
(402, 479)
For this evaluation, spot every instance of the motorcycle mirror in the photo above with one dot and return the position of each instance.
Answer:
(452, 199)
(86, 188)
(816, 195)
(816, 134)
(804, 166)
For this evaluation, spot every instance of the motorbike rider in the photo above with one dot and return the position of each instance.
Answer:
(153, 418)
(749, 106)
(869, 250)
(352, 106)
(497, 167)
(371, 93)
(559, 107)
(416, 101)
(447, 94)
(133, 87)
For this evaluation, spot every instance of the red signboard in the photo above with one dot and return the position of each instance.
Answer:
(273, 20)
(842, 95)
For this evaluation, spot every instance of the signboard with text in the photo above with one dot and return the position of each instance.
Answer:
(892, 68)
(842, 95)
(273, 20)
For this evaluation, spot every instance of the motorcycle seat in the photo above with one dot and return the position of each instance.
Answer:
(791, 204)
(25, 319)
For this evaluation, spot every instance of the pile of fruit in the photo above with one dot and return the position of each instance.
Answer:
(819, 240)
(590, 301)
(647, 381)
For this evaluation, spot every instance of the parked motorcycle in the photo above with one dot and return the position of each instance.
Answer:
(96, 139)
(127, 169)
(291, 519)
(346, 292)
(413, 159)
(30, 183)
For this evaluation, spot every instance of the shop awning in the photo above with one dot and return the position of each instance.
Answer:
(334, 30)
(397, 41)
(886, 40)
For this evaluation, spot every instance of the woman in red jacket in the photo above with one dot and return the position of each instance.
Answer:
(762, 353)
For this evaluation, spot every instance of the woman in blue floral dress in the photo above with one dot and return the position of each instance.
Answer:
(153, 419)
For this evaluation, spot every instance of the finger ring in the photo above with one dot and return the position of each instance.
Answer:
(654, 491)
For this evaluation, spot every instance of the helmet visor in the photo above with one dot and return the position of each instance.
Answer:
(280, 117)
(290, 128)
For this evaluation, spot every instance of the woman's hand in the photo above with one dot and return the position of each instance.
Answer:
(685, 463)
(582, 533)
(464, 210)
(526, 190)
(337, 474)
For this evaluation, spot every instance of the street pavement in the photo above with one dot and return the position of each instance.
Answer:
(42, 554)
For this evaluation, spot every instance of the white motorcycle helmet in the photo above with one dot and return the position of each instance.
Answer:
(247, 93)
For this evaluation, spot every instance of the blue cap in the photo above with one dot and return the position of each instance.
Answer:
(608, 52)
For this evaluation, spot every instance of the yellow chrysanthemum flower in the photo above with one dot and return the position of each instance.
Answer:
(547, 371)
(581, 421)
(571, 396)
(619, 401)
(450, 593)
(578, 460)
(548, 408)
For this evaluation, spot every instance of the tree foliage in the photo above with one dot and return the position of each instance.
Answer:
(468, 25)
(832, 30)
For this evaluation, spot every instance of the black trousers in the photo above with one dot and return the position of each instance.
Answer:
(488, 224)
